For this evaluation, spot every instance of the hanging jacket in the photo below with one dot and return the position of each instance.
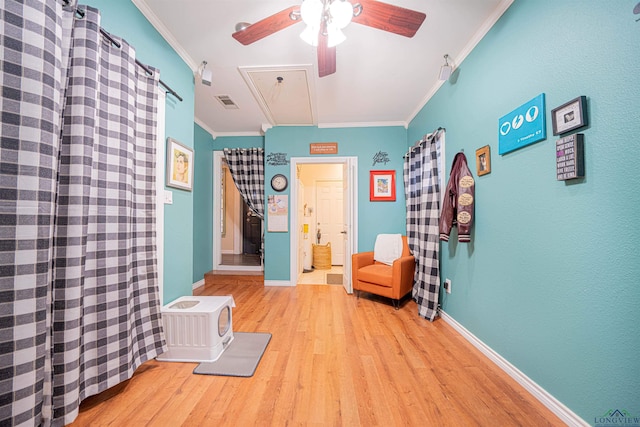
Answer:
(459, 199)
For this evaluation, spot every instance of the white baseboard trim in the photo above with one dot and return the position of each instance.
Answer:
(278, 283)
(198, 284)
(554, 405)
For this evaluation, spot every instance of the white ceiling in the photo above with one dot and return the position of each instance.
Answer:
(381, 78)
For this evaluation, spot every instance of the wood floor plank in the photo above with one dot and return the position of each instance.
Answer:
(333, 359)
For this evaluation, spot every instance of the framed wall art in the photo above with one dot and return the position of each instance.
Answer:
(522, 126)
(382, 186)
(483, 160)
(570, 116)
(179, 166)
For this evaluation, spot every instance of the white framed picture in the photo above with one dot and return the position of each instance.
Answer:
(179, 165)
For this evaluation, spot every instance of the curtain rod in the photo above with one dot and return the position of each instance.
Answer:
(144, 67)
(118, 45)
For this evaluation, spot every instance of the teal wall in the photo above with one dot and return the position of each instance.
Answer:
(364, 143)
(551, 278)
(202, 204)
(123, 19)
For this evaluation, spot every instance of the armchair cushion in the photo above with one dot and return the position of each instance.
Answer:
(377, 273)
(388, 248)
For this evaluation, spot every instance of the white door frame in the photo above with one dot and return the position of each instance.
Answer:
(352, 163)
(218, 156)
(160, 190)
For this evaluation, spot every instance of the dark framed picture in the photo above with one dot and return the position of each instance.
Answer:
(483, 160)
(382, 186)
(179, 165)
(570, 116)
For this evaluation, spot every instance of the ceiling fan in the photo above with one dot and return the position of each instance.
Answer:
(325, 20)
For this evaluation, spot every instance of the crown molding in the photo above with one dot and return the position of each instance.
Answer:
(362, 125)
(144, 8)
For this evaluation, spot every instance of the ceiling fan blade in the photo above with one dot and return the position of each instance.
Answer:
(266, 26)
(326, 56)
(387, 17)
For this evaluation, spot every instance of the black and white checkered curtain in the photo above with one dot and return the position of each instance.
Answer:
(422, 193)
(80, 306)
(247, 169)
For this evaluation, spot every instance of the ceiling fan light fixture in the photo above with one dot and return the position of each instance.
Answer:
(311, 12)
(310, 35)
(341, 13)
(335, 36)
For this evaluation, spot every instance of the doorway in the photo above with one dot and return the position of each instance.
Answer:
(324, 208)
(237, 231)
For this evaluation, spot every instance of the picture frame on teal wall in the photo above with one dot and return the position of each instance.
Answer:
(523, 126)
(483, 160)
(179, 165)
(382, 186)
(570, 116)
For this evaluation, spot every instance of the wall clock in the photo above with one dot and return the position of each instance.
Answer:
(279, 182)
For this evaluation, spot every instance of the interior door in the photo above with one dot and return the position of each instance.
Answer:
(329, 200)
(251, 236)
(301, 236)
(347, 229)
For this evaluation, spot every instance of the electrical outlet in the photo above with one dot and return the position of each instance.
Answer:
(447, 285)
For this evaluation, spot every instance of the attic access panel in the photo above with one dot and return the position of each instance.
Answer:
(284, 94)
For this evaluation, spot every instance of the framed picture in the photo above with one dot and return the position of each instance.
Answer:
(179, 165)
(483, 160)
(570, 116)
(382, 186)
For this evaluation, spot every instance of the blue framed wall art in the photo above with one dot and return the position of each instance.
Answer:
(523, 126)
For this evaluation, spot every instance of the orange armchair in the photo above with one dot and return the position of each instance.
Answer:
(390, 281)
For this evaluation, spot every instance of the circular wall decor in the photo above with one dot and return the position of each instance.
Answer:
(279, 182)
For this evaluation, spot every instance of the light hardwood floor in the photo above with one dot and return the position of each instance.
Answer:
(333, 360)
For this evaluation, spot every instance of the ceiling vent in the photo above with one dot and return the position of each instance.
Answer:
(227, 102)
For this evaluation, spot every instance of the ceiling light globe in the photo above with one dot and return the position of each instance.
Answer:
(310, 35)
(311, 12)
(341, 13)
(335, 36)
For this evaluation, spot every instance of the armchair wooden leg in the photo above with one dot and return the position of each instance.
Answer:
(396, 303)
(357, 293)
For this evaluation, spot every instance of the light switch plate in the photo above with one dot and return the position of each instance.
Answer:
(168, 197)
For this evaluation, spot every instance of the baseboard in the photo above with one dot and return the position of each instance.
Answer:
(198, 284)
(278, 283)
(554, 405)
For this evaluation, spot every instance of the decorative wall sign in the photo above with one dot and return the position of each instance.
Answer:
(570, 157)
(570, 116)
(523, 126)
(277, 159)
(382, 186)
(179, 165)
(381, 157)
(277, 213)
(323, 148)
(483, 160)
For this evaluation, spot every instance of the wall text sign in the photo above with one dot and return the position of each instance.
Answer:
(323, 148)
(570, 157)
